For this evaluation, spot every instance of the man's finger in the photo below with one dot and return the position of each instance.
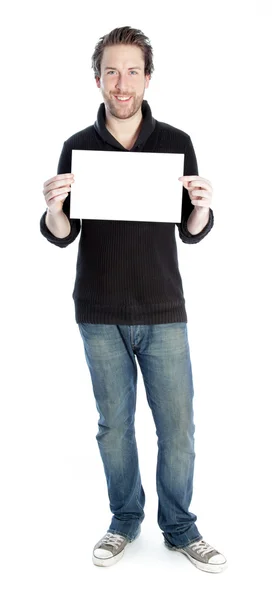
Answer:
(194, 178)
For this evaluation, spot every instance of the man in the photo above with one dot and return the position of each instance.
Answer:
(129, 302)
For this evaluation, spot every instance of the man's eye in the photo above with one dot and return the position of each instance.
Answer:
(113, 72)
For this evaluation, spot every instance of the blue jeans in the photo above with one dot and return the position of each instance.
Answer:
(163, 354)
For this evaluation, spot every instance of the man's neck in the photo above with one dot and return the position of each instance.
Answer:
(124, 129)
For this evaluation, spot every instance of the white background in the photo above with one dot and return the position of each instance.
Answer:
(211, 79)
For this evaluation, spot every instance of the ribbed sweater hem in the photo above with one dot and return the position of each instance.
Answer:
(171, 312)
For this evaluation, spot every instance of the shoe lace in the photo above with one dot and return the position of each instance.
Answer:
(201, 547)
(113, 539)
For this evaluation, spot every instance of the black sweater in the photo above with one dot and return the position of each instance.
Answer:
(127, 272)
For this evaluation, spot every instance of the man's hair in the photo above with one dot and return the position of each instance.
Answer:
(123, 35)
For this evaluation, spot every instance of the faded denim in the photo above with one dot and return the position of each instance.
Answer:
(163, 354)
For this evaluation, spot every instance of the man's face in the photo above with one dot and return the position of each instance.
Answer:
(118, 78)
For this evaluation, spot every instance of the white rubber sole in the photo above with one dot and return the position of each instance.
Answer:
(107, 562)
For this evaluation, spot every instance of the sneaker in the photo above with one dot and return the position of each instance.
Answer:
(110, 549)
(202, 555)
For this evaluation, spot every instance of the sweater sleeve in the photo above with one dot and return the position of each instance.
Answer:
(64, 166)
(191, 168)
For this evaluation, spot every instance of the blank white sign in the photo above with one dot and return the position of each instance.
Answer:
(126, 186)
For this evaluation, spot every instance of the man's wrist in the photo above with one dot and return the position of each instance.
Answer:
(198, 219)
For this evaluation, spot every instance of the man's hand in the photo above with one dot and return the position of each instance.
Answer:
(200, 191)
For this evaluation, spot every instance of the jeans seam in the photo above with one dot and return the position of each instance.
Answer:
(188, 542)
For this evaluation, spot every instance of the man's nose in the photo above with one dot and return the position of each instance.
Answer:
(122, 82)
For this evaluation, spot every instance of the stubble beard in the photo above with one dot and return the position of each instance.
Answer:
(124, 112)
